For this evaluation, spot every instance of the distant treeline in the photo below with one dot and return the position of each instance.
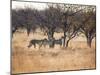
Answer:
(70, 19)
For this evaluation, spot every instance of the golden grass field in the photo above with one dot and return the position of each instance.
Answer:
(25, 60)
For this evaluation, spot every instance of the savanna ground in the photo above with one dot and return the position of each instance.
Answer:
(25, 60)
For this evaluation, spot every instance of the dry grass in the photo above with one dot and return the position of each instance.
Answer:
(76, 56)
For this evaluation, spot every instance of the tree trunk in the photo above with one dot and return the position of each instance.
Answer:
(67, 43)
(65, 25)
(28, 32)
(89, 41)
(64, 38)
(51, 38)
(28, 29)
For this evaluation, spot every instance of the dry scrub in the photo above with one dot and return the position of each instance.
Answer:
(77, 56)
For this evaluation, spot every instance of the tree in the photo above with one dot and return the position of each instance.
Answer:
(50, 20)
(17, 20)
(25, 18)
(30, 19)
(70, 22)
(89, 25)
